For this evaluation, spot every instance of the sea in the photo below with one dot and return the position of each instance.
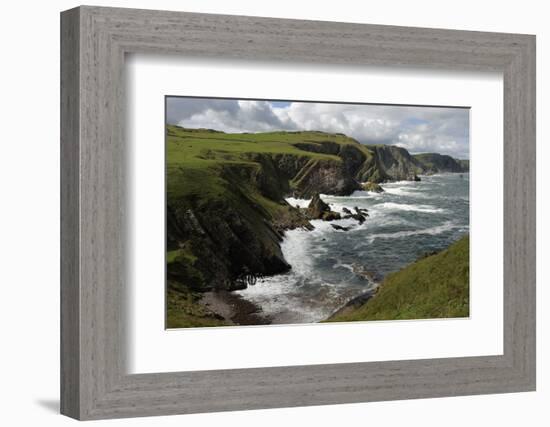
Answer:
(331, 267)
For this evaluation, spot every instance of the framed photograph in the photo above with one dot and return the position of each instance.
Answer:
(276, 213)
(262, 213)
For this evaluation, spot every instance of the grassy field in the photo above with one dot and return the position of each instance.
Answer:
(203, 146)
(433, 287)
(194, 156)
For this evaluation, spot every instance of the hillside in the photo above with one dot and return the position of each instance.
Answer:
(431, 163)
(436, 286)
(393, 164)
(226, 211)
(226, 207)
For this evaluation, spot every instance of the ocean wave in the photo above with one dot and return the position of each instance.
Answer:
(407, 207)
(403, 191)
(323, 259)
(340, 264)
(438, 229)
(395, 183)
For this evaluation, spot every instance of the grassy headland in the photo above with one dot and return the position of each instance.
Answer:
(436, 286)
(226, 208)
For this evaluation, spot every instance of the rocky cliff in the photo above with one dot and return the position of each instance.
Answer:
(394, 164)
(431, 163)
(226, 209)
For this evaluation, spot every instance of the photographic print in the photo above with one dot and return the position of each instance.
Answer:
(293, 212)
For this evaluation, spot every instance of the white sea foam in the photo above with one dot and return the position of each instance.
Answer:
(407, 207)
(296, 249)
(399, 183)
(312, 289)
(339, 264)
(302, 203)
(404, 191)
(438, 229)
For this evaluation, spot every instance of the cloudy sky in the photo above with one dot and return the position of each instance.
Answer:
(418, 129)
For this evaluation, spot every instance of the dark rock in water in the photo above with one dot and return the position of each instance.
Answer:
(361, 218)
(317, 207)
(330, 216)
(416, 178)
(339, 227)
(372, 186)
(361, 211)
(360, 214)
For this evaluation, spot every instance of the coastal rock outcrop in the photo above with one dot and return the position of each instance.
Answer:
(372, 186)
(318, 209)
(431, 163)
(226, 208)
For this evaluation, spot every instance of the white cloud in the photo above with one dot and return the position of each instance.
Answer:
(418, 129)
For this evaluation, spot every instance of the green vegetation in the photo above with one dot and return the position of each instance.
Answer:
(196, 158)
(202, 146)
(226, 208)
(185, 311)
(436, 286)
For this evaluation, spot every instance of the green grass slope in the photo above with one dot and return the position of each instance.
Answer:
(203, 147)
(433, 287)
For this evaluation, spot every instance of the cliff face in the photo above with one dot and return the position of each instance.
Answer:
(226, 208)
(465, 164)
(215, 240)
(436, 163)
(394, 163)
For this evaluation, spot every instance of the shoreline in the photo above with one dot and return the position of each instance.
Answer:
(234, 309)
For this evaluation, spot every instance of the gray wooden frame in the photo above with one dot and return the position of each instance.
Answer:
(94, 41)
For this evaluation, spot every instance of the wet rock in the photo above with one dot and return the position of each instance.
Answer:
(340, 228)
(330, 216)
(317, 207)
(361, 211)
(372, 186)
(360, 218)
